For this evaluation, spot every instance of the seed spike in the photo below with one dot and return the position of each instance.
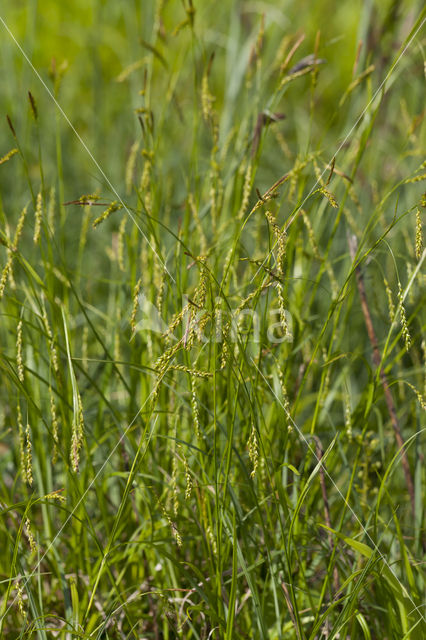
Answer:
(330, 175)
(11, 127)
(33, 105)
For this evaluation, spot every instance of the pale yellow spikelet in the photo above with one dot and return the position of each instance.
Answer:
(130, 166)
(127, 71)
(292, 76)
(223, 336)
(195, 323)
(212, 539)
(80, 418)
(19, 358)
(8, 156)
(56, 73)
(29, 534)
(206, 98)
(60, 276)
(391, 305)
(418, 178)
(163, 361)
(311, 235)
(145, 182)
(227, 268)
(114, 206)
(20, 600)
(21, 433)
(272, 221)
(53, 353)
(19, 227)
(176, 534)
(161, 283)
(136, 292)
(330, 197)
(419, 236)
(161, 367)
(28, 455)
(201, 325)
(173, 526)
(117, 347)
(51, 209)
(224, 356)
(253, 448)
(201, 291)
(88, 199)
(282, 309)
(55, 495)
(333, 283)
(348, 415)
(197, 373)
(77, 436)
(55, 425)
(263, 475)
(281, 238)
(188, 478)
(246, 192)
(120, 243)
(6, 273)
(176, 320)
(246, 301)
(175, 499)
(404, 324)
(420, 397)
(194, 407)
(281, 52)
(38, 218)
(285, 401)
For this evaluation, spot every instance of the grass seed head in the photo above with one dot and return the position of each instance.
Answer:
(8, 156)
(19, 358)
(114, 206)
(404, 324)
(391, 305)
(21, 432)
(38, 218)
(419, 235)
(28, 455)
(253, 448)
(30, 537)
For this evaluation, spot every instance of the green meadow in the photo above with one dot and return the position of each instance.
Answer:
(212, 352)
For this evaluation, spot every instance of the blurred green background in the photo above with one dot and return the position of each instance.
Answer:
(92, 43)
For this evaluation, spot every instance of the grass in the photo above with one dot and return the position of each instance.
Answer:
(212, 363)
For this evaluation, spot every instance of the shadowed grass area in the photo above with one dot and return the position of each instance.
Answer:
(212, 313)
